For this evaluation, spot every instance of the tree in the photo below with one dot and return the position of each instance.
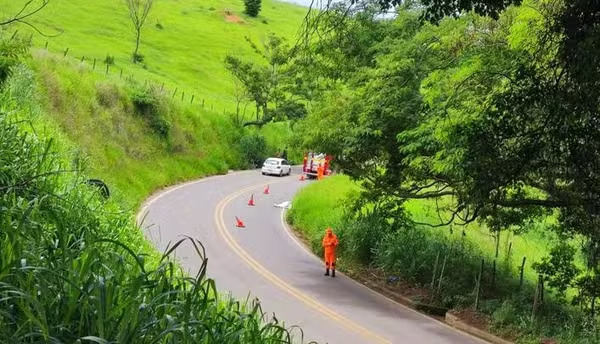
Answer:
(495, 118)
(252, 7)
(138, 12)
(271, 87)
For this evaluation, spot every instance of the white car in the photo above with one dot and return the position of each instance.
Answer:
(276, 166)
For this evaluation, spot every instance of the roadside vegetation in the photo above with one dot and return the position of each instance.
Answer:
(467, 145)
(73, 267)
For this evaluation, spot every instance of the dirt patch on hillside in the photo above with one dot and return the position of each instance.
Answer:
(231, 17)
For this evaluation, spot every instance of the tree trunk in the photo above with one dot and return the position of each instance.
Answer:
(137, 44)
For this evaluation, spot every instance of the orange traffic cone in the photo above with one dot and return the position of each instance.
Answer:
(301, 178)
(266, 192)
(239, 223)
(251, 201)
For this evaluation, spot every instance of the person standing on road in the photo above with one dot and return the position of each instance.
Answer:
(330, 242)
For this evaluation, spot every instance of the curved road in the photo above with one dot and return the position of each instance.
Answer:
(265, 260)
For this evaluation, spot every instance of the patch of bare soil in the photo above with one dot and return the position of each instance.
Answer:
(231, 17)
(473, 318)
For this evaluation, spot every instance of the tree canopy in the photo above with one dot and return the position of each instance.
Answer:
(497, 119)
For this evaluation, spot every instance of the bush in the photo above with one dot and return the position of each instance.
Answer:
(252, 7)
(138, 58)
(109, 60)
(148, 103)
(253, 148)
(362, 236)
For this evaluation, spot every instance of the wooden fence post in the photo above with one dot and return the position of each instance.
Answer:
(494, 274)
(437, 259)
(174, 92)
(203, 103)
(94, 67)
(536, 297)
(107, 66)
(442, 272)
(83, 58)
(121, 74)
(192, 100)
(66, 51)
(46, 45)
(182, 95)
(521, 273)
(478, 290)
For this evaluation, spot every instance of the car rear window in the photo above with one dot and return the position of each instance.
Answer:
(271, 162)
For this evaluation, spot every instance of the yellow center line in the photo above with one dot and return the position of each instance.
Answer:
(268, 275)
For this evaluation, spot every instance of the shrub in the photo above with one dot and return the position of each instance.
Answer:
(148, 103)
(252, 7)
(10, 51)
(362, 236)
(138, 58)
(109, 60)
(253, 148)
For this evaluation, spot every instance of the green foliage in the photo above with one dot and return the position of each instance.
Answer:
(275, 84)
(559, 268)
(73, 268)
(253, 148)
(252, 7)
(10, 51)
(149, 103)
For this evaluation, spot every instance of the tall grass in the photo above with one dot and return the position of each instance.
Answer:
(73, 269)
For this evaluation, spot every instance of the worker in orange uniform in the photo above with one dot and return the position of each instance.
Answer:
(330, 242)
(320, 171)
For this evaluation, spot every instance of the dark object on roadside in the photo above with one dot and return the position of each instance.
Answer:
(284, 154)
(393, 279)
(102, 187)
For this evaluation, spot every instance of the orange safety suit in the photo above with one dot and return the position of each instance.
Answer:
(320, 171)
(330, 242)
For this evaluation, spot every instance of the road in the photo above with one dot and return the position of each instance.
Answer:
(265, 260)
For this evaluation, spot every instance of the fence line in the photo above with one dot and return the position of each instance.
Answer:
(191, 98)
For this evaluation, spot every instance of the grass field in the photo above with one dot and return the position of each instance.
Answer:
(184, 42)
(94, 113)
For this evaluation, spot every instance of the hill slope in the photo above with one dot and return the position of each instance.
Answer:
(138, 135)
(184, 42)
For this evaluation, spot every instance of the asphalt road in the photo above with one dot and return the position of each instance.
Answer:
(265, 260)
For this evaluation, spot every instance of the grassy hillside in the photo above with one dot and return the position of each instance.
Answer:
(136, 135)
(184, 42)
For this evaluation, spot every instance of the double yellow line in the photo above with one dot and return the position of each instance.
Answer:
(269, 276)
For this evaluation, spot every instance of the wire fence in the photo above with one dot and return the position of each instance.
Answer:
(105, 66)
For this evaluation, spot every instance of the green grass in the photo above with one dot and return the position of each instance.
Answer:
(98, 117)
(322, 204)
(73, 268)
(187, 53)
(94, 112)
